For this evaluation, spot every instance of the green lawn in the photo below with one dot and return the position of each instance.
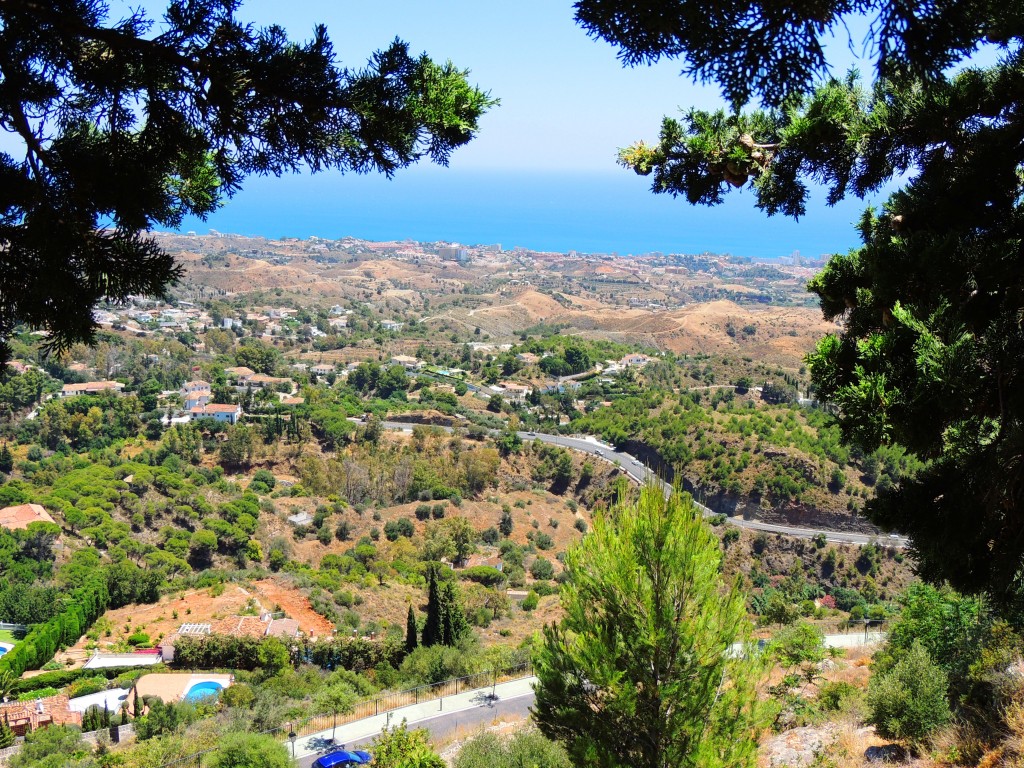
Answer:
(6, 636)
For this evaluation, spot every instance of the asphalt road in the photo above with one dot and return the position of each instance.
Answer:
(447, 725)
(478, 710)
(636, 469)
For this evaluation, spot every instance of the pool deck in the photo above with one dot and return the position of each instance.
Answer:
(172, 686)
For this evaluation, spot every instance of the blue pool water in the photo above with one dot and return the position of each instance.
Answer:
(2, 651)
(203, 690)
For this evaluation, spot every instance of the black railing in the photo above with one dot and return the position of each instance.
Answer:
(378, 705)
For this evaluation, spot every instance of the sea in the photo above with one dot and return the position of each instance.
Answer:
(582, 211)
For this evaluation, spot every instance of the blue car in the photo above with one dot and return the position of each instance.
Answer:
(342, 757)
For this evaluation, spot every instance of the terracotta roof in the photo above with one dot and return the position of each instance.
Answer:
(20, 516)
(55, 711)
(262, 378)
(240, 371)
(216, 408)
(92, 386)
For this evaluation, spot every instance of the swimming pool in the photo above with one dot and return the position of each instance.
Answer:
(202, 690)
(2, 650)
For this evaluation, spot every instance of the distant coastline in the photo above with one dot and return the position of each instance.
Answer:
(613, 212)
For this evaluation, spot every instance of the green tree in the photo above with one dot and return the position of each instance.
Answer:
(410, 631)
(249, 750)
(524, 748)
(908, 702)
(239, 447)
(931, 342)
(258, 356)
(639, 671)
(125, 126)
(453, 619)
(401, 748)
(6, 734)
(52, 747)
(432, 625)
(505, 523)
(336, 699)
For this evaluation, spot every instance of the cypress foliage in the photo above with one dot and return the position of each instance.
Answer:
(453, 620)
(432, 626)
(410, 632)
(82, 608)
(6, 734)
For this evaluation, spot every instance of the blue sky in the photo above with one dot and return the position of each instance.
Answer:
(541, 173)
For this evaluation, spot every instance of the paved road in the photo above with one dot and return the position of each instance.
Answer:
(444, 718)
(636, 469)
(469, 711)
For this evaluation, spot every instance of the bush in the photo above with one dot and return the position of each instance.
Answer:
(483, 574)
(422, 511)
(531, 601)
(908, 703)
(542, 569)
(543, 541)
(833, 696)
(580, 525)
(393, 529)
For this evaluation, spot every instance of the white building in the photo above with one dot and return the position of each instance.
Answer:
(195, 393)
(408, 362)
(226, 412)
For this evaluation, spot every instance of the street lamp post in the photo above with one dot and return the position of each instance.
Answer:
(291, 737)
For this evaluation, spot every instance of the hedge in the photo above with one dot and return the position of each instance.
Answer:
(82, 607)
(226, 652)
(66, 677)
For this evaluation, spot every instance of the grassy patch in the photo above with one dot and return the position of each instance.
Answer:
(6, 636)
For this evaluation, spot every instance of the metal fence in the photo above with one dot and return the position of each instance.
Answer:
(378, 705)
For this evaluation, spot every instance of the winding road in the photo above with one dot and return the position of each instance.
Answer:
(636, 469)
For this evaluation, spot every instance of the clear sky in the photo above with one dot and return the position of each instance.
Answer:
(542, 171)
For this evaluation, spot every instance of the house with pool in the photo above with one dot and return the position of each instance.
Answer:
(174, 687)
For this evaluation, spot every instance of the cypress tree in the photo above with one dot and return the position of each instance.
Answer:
(136, 706)
(410, 631)
(432, 626)
(453, 620)
(6, 734)
(6, 459)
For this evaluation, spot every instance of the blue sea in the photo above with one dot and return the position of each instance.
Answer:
(612, 212)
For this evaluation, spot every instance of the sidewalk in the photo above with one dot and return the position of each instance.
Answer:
(371, 726)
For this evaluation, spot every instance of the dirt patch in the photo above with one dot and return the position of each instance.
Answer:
(295, 605)
(203, 606)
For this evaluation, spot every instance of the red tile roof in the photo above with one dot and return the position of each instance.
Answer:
(20, 516)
